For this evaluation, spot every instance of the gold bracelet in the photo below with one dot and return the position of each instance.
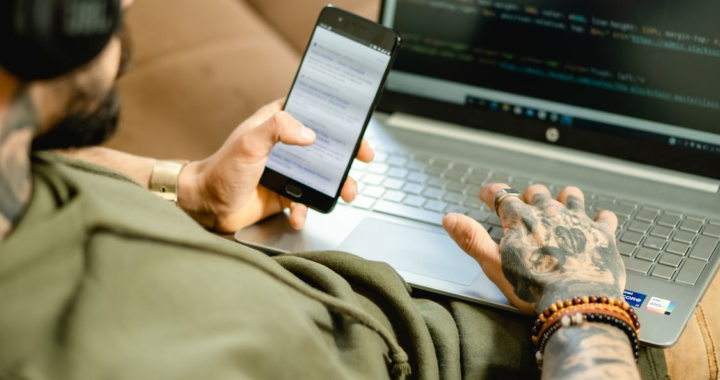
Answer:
(164, 178)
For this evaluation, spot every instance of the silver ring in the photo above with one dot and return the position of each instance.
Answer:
(504, 194)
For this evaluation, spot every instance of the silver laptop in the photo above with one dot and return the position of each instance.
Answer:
(621, 102)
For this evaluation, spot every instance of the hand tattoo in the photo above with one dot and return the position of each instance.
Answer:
(552, 253)
(17, 127)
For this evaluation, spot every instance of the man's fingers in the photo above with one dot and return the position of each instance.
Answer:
(573, 198)
(608, 221)
(509, 206)
(537, 194)
(349, 190)
(298, 214)
(365, 153)
(264, 113)
(281, 127)
(471, 237)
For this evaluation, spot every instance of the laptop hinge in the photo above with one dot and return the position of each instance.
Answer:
(458, 132)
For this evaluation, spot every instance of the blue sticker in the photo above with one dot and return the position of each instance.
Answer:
(633, 298)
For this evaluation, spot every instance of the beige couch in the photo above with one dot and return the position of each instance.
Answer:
(202, 66)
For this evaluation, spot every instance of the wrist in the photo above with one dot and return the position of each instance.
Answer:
(564, 290)
(191, 194)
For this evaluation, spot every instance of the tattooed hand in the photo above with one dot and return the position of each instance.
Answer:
(551, 250)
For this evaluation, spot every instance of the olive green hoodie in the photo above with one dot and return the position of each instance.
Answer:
(102, 280)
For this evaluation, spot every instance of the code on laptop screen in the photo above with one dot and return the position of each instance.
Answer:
(654, 64)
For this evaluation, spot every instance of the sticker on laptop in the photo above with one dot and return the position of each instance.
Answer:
(660, 306)
(635, 299)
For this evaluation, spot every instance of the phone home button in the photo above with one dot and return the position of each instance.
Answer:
(294, 191)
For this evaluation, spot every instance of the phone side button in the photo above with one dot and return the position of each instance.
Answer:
(294, 191)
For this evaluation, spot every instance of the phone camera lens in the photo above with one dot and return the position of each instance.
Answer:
(340, 19)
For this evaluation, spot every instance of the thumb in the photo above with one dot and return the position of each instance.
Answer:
(281, 127)
(472, 238)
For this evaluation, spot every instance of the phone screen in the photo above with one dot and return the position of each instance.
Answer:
(333, 92)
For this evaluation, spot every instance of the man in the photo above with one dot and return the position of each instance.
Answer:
(101, 279)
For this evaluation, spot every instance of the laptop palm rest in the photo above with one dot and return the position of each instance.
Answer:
(412, 250)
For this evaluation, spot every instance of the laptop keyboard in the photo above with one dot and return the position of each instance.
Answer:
(662, 244)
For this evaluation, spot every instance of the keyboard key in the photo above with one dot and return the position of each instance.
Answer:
(436, 182)
(454, 175)
(520, 183)
(438, 206)
(363, 202)
(456, 210)
(414, 201)
(378, 168)
(634, 265)
(373, 191)
(685, 237)
(653, 242)
(359, 165)
(434, 170)
(691, 225)
(704, 248)
(461, 166)
(421, 157)
(394, 196)
(473, 202)
(457, 187)
(690, 272)
(356, 174)
(669, 220)
(639, 226)
(626, 249)
(417, 177)
(454, 198)
(380, 156)
(413, 188)
(433, 193)
(646, 215)
(477, 177)
(647, 254)
(671, 260)
(631, 237)
(663, 272)
(480, 216)
(661, 232)
(712, 230)
(620, 210)
(415, 165)
(373, 179)
(393, 184)
(678, 248)
(397, 161)
(398, 173)
(473, 191)
(494, 220)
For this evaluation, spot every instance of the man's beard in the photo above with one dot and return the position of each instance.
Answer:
(82, 130)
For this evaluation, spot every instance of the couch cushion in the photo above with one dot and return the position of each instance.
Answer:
(295, 19)
(200, 68)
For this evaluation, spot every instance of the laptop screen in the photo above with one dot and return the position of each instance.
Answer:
(638, 80)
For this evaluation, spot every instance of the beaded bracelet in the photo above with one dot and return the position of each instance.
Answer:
(575, 311)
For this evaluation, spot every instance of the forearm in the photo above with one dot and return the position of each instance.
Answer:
(137, 167)
(589, 351)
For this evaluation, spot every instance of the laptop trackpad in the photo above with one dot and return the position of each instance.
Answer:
(412, 250)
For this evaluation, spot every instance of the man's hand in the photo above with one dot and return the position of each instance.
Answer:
(222, 192)
(552, 251)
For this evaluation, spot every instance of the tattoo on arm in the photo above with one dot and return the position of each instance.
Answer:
(589, 351)
(17, 127)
